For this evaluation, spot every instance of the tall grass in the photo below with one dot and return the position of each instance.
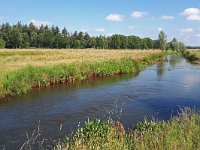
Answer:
(196, 53)
(191, 55)
(180, 133)
(24, 78)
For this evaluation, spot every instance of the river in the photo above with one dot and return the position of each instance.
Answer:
(157, 92)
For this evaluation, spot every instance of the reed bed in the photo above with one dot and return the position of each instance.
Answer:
(182, 132)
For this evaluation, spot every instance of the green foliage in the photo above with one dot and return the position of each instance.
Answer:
(177, 46)
(181, 132)
(2, 43)
(22, 80)
(29, 35)
(162, 40)
(190, 56)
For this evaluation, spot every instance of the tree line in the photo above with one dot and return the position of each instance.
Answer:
(31, 36)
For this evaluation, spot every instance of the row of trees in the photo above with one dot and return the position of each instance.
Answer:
(31, 36)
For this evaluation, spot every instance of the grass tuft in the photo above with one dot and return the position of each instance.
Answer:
(182, 132)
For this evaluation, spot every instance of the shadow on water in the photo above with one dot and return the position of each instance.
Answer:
(159, 91)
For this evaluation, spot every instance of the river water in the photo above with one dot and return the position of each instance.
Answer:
(157, 92)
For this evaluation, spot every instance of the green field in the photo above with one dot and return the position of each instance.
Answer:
(24, 69)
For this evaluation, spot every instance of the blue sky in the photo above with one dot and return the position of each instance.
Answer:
(144, 18)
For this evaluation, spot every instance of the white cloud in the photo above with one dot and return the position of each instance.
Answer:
(199, 29)
(198, 35)
(131, 27)
(165, 17)
(138, 14)
(115, 17)
(101, 30)
(186, 30)
(40, 22)
(160, 29)
(1, 18)
(192, 14)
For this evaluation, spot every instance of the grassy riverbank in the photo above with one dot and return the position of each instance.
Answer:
(22, 70)
(192, 55)
(180, 133)
(197, 54)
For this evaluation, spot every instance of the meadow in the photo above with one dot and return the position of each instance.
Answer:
(24, 69)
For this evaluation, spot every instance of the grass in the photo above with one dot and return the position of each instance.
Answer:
(192, 55)
(22, 70)
(196, 52)
(182, 132)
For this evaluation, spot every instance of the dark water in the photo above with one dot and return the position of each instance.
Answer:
(158, 91)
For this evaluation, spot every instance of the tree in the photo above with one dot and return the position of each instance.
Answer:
(2, 43)
(64, 32)
(182, 47)
(15, 39)
(174, 45)
(99, 42)
(29, 35)
(162, 39)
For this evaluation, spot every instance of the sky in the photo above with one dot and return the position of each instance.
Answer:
(144, 18)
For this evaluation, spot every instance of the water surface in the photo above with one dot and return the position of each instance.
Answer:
(158, 91)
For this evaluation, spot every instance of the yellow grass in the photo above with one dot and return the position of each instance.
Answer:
(14, 59)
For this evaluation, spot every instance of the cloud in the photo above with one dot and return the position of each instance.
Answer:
(138, 14)
(186, 30)
(40, 22)
(199, 29)
(165, 17)
(131, 27)
(192, 14)
(160, 29)
(198, 35)
(101, 30)
(115, 17)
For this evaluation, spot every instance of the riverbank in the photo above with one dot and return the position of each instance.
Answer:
(180, 132)
(192, 55)
(22, 70)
